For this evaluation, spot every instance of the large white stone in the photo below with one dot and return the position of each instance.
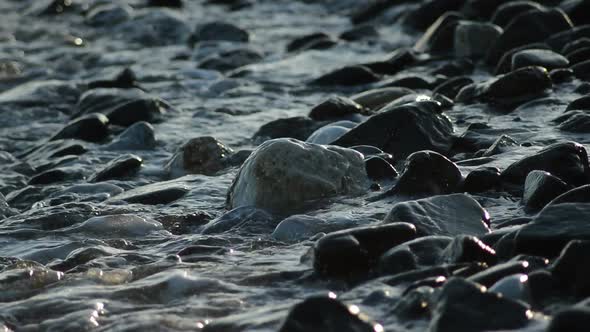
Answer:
(284, 174)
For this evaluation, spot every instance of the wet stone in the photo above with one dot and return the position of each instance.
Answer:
(472, 39)
(482, 179)
(540, 188)
(451, 87)
(402, 130)
(220, 31)
(165, 3)
(200, 155)
(575, 10)
(535, 57)
(582, 70)
(155, 27)
(578, 55)
(335, 108)
(509, 10)
(467, 248)
(514, 287)
(429, 11)
(455, 303)
(361, 32)
(421, 252)
(353, 251)
(574, 122)
(153, 194)
(504, 65)
(570, 319)
(562, 75)
(282, 175)
(440, 36)
(91, 127)
(138, 136)
(148, 110)
(230, 60)
(54, 175)
(117, 168)
(580, 194)
(560, 39)
(428, 173)
(582, 103)
(571, 268)
(447, 215)
(108, 15)
(317, 41)
(575, 45)
(329, 133)
(317, 314)
(374, 99)
(347, 76)
(567, 161)
(299, 127)
(378, 168)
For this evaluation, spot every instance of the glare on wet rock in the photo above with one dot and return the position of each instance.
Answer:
(119, 226)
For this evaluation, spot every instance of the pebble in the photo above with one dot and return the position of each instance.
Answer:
(108, 15)
(504, 65)
(579, 55)
(314, 41)
(447, 215)
(515, 287)
(580, 194)
(347, 76)
(246, 218)
(535, 57)
(328, 134)
(570, 319)
(155, 27)
(540, 188)
(506, 12)
(575, 45)
(472, 39)
(91, 127)
(466, 249)
(122, 225)
(378, 169)
(402, 130)
(153, 194)
(336, 108)
(482, 179)
(122, 166)
(299, 127)
(365, 31)
(269, 179)
(451, 87)
(232, 59)
(138, 136)
(575, 10)
(415, 254)
(571, 268)
(439, 37)
(356, 251)
(200, 155)
(582, 70)
(216, 31)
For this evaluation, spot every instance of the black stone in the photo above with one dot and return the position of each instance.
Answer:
(574, 319)
(378, 168)
(402, 130)
(539, 57)
(439, 38)
(298, 127)
(540, 188)
(49, 176)
(165, 3)
(418, 253)
(577, 10)
(153, 194)
(490, 276)
(508, 11)
(568, 161)
(504, 65)
(577, 195)
(451, 87)
(126, 79)
(575, 45)
(91, 127)
(149, 110)
(582, 70)
(335, 108)
(559, 40)
(579, 104)
(574, 122)
(119, 167)
(482, 179)
(318, 40)
(347, 76)
(230, 60)
(361, 32)
(423, 16)
(398, 60)
(579, 55)
(219, 31)
(563, 75)
(465, 249)
(572, 268)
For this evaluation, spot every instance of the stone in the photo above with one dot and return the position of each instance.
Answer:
(108, 15)
(126, 79)
(335, 108)
(571, 268)
(466, 249)
(451, 87)
(365, 31)
(153, 194)
(509, 90)
(567, 161)
(481, 9)
(428, 12)
(514, 287)
(428, 173)
(165, 3)
(138, 136)
(411, 255)
(370, 10)
(155, 27)
(230, 60)
(347, 76)
(575, 10)
(216, 31)
(482, 179)
(561, 75)
(579, 55)
(200, 155)
(582, 70)
(536, 57)
(558, 40)
(398, 60)
(454, 309)
(439, 37)
(123, 166)
(318, 41)
(553, 228)
(540, 188)
(506, 12)
(283, 175)
(570, 319)
(582, 103)
(503, 144)
(325, 314)
(91, 127)
(299, 127)
(529, 27)
(298, 228)
(329, 133)
(402, 130)
(246, 218)
(54, 175)
(575, 45)
(472, 39)
(356, 251)
(103, 100)
(121, 225)
(580, 194)
(378, 168)
(147, 110)
(447, 215)
(492, 275)
(504, 65)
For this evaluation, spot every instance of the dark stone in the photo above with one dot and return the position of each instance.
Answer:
(508, 11)
(579, 55)
(219, 31)
(323, 314)
(504, 65)
(473, 39)
(248, 219)
(411, 255)
(398, 60)
(165, 3)
(575, 45)
(335, 108)
(378, 169)
(454, 68)
(423, 16)
(149, 110)
(466, 306)
(428, 173)
(553, 228)
(481, 9)
(577, 10)
(572, 268)
(153, 194)
(574, 122)
(579, 104)
(231, 59)
(372, 9)
(56, 7)
(540, 188)
(500, 145)
(482, 179)
(139, 136)
(467, 248)
(298, 127)
(346, 76)
(568, 161)
(126, 79)
(451, 87)
(361, 32)
(543, 287)
(538, 57)
(374, 99)
(414, 82)
(509, 90)
(119, 167)
(582, 70)
(577, 195)
(353, 251)
(447, 215)
(529, 27)
(49, 176)
(559, 40)
(91, 127)
(318, 40)
(402, 130)
(440, 36)
(490, 276)
(563, 75)
(573, 319)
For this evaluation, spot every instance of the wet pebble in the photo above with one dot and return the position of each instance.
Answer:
(216, 31)
(540, 188)
(200, 155)
(91, 127)
(123, 166)
(138, 136)
(535, 57)
(335, 108)
(482, 179)
(472, 39)
(347, 76)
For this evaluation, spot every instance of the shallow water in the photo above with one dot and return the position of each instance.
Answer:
(129, 276)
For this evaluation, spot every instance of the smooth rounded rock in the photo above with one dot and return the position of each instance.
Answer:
(327, 134)
(299, 127)
(348, 76)
(91, 127)
(200, 155)
(298, 228)
(572, 268)
(540, 188)
(509, 10)
(580, 194)
(335, 108)
(472, 39)
(318, 40)
(570, 320)
(220, 31)
(378, 168)
(138, 136)
(283, 175)
(119, 167)
(122, 225)
(536, 57)
(582, 70)
(514, 287)
(482, 179)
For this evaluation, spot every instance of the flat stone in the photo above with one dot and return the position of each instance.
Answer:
(536, 57)
(119, 167)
